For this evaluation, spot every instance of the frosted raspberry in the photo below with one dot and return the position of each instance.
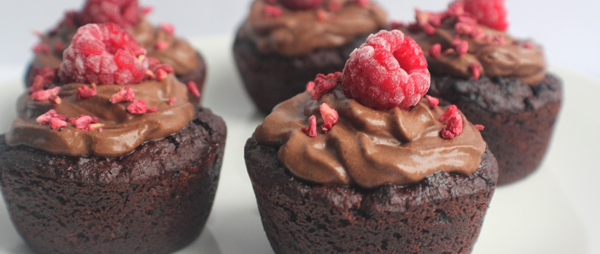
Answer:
(171, 101)
(82, 122)
(432, 101)
(169, 28)
(324, 84)
(388, 71)
(46, 117)
(454, 127)
(193, 88)
(44, 95)
(125, 13)
(479, 127)
(330, 117)
(103, 54)
(124, 94)
(311, 129)
(138, 107)
(491, 13)
(301, 4)
(85, 92)
(56, 123)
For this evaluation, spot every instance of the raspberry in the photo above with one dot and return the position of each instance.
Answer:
(301, 4)
(454, 127)
(330, 117)
(435, 51)
(491, 13)
(82, 122)
(125, 94)
(432, 101)
(39, 83)
(475, 70)
(450, 111)
(161, 45)
(169, 28)
(161, 74)
(311, 130)
(54, 100)
(310, 86)
(125, 13)
(152, 110)
(139, 107)
(103, 54)
(46, 117)
(171, 101)
(272, 11)
(388, 71)
(193, 88)
(324, 84)
(56, 123)
(44, 95)
(479, 127)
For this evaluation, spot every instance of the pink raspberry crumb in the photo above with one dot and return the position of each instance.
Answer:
(388, 71)
(432, 101)
(435, 51)
(272, 11)
(462, 48)
(46, 117)
(44, 95)
(56, 123)
(54, 100)
(330, 117)
(152, 109)
(171, 101)
(311, 129)
(124, 94)
(161, 45)
(161, 74)
(475, 70)
(125, 13)
(193, 88)
(324, 84)
(138, 107)
(85, 92)
(454, 127)
(310, 86)
(479, 127)
(167, 27)
(82, 122)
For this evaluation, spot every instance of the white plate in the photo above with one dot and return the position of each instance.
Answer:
(552, 212)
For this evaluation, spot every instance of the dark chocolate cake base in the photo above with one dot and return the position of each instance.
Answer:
(153, 200)
(197, 75)
(273, 78)
(441, 214)
(519, 119)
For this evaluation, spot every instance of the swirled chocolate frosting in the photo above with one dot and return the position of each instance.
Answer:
(121, 131)
(179, 54)
(300, 32)
(368, 147)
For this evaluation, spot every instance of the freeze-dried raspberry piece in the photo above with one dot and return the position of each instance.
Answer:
(161, 45)
(167, 27)
(311, 129)
(125, 13)
(161, 75)
(450, 111)
(54, 100)
(46, 117)
(324, 84)
(454, 127)
(152, 109)
(56, 123)
(479, 127)
(124, 94)
(103, 54)
(85, 92)
(193, 88)
(310, 86)
(475, 70)
(491, 13)
(363, 3)
(39, 83)
(330, 117)
(272, 11)
(82, 122)
(301, 4)
(138, 107)
(432, 101)
(388, 71)
(435, 51)
(171, 101)
(44, 95)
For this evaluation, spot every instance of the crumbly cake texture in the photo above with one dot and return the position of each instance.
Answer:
(441, 214)
(153, 200)
(273, 78)
(519, 119)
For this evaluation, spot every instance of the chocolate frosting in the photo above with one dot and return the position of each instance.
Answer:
(367, 147)
(122, 132)
(300, 32)
(510, 60)
(180, 55)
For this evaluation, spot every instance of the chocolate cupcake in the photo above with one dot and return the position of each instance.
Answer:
(383, 173)
(496, 80)
(115, 161)
(159, 42)
(283, 44)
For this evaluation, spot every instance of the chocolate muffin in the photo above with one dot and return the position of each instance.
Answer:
(124, 167)
(159, 42)
(495, 80)
(380, 174)
(284, 44)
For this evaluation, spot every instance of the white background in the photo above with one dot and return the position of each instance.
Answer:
(569, 30)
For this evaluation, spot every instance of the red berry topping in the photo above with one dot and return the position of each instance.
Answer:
(193, 88)
(152, 110)
(310, 86)
(139, 107)
(167, 27)
(388, 71)
(475, 70)
(44, 95)
(479, 127)
(54, 100)
(125, 13)
(450, 111)
(272, 11)
(126, 94)
(363, 3)
(324, 84)
(453, 121)
(57, 123)
(311, 130)
(491, 13)
(432, 101)
(330, 117)
(85, 92)
(301, 4)
(171, 101)
(103, 54)
(46, 117)
(161, 45)
(39, 83)
(161, 74)
(435, 51)
(82, 122)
